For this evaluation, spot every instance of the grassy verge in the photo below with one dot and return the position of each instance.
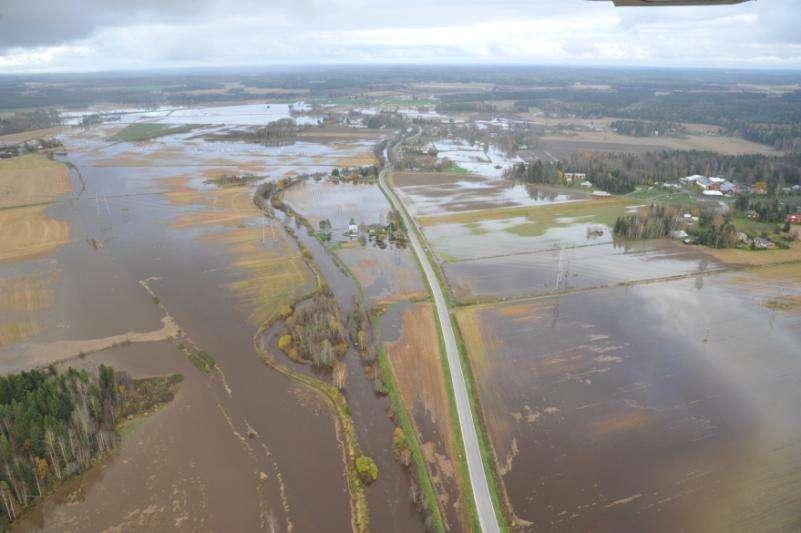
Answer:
(456, 169)
(754, 227)
(201, 359)
(147, 131)
(487, 456)
(500, 499)
(404, 420)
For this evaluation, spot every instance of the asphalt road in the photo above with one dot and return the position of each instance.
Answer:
(478, 477)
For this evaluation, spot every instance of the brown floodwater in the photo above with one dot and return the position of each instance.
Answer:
(388, 497)
(160, 477)
(420, 379)
(250, 448)
(663, 407)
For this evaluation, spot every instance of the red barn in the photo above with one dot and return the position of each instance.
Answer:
(794, 218)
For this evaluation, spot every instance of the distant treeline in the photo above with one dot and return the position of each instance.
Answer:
(602, 177)
(465, 107)
(669, 165)
(620, 173)
(54, 424)
(386, 119)
(648, 128)
(29, 120)
(283, 131)
(785, 137)
(754, 115)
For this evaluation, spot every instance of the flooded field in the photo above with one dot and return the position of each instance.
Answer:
(520, 251)
(385, 274)
(605, 264)
(661, 407)
(411, 341)
(487, 161)
(437, 193)
(237, 115)
(338, 203)
(390, 275)
(253, 448)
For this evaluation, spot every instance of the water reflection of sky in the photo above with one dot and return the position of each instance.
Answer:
(465, 195)
(489, 163)
(232, 115)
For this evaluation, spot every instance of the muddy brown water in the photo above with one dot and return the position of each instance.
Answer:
(447, 487)
(289, 434)
(180, 468)
(388, 497)
(662, 407)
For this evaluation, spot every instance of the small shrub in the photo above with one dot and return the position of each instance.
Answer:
(285, 342)
(366, 469)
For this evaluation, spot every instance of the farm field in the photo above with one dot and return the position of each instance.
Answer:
(412, 347)
(560, 145)
(437, 193)
(629, 414)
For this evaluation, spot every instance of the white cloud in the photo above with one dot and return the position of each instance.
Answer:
(248, 32)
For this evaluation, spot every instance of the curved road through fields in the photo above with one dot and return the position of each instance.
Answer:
(487, 518)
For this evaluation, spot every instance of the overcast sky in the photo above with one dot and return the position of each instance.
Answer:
(85, 35)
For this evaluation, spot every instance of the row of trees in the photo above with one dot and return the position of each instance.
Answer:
(279, 132)
(653, 222)
(658, 221)
(669, 165)
(29, 120)
(465, 107)
(648, 128)
(365, 173)
(769, 209)
(606, 177)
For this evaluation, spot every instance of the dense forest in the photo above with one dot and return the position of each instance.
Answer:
(53, 424)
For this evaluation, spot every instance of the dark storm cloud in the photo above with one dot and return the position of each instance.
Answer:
(31, 23)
